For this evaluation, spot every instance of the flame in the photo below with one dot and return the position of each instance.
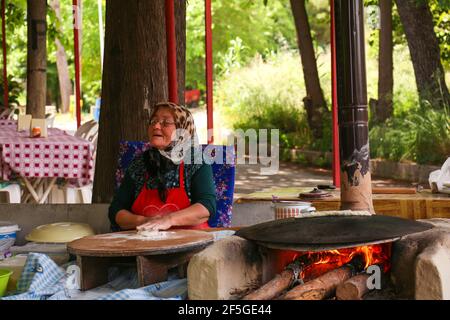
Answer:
(318, 263)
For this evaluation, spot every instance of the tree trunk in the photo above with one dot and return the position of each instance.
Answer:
(423, 45)
(65, 86)
(315, 104)
(384, 108)
(36, 57)
(134, 79)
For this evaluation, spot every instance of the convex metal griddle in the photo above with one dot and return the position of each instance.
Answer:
(330, 232)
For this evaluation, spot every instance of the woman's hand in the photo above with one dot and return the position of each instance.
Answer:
(156, 223)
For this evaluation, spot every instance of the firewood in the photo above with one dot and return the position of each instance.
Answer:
(354, 288)
(273, 288)
(321, 287)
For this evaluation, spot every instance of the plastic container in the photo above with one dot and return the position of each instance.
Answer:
(8, 232)
(289, 209)
(4, 278)
(15, 264)
(59, 232)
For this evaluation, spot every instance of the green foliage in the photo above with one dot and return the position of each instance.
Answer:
(91, 73)
(16, 45)
(440, 10)
(258, 75)
(16, 33)
(241, 29)
(232, 59)
(422, 135)
(267, 94)
(16, 40)
(14, 90)
(392, 140)
(373, 19)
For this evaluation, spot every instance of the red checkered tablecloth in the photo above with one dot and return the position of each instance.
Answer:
(59, 155)
(8, 123)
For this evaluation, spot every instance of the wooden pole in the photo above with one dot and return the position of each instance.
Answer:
(171, 51)
(5, 72)
(209, 71)
(356, 189)
(76, 27)
(336, 162)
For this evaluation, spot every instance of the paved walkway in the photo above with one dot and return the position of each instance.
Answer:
(249, 178)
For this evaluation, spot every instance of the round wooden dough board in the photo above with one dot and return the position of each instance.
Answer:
(128, 243)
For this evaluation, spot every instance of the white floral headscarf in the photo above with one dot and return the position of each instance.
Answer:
(185, 134)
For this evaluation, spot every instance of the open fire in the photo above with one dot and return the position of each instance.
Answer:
(318, 275)
(338, 255)
(315, 264)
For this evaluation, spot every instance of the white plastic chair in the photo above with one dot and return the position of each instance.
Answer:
(50, 119)
(86, 128)
(8, 114)
(73, 194)
(14, 192)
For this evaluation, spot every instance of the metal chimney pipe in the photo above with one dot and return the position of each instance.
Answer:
(356, 189)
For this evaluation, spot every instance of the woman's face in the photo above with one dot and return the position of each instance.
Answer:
(161, 128)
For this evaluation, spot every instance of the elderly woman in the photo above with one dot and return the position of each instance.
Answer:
(159, 190)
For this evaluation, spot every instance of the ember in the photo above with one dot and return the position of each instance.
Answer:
(315, 264)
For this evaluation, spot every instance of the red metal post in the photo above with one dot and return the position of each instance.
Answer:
(171, 51)
(5, 73)
(336, 162)
(209, 71)
(76, 25)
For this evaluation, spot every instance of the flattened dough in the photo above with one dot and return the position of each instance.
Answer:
(152, 234)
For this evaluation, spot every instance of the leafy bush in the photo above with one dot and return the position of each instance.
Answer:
(422, 135)
(14, 90)
(267, 94)
(432, 129)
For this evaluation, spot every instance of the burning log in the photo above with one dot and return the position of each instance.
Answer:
(321, 287)
(324, 286)
(354, 288)
(280, 283)
(274, 287)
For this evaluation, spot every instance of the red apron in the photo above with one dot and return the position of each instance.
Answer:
(149, 204)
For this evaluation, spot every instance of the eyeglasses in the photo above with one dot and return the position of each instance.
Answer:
(165, 123)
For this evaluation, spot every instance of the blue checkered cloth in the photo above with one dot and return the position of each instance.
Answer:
(40, 279)
(43, 279)
(168, 290)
